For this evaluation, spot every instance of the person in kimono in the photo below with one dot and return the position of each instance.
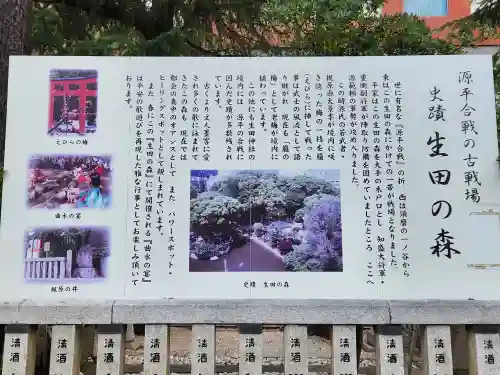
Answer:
(99, 169)
(38, 176)
(94, 197)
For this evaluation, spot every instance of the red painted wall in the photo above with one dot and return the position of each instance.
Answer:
(456, 9)
(81, 92)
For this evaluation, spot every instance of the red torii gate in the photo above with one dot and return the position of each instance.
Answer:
(66, 87)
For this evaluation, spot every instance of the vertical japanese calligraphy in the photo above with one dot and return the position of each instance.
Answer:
(298, 116)
(15, 345)
(380, 110)
(295, 340)
(268, 85)
(156, 348)
(331, 132)
(19, 352)
(203, 349)
(229, 113)
(241, 119)
(443, 243)
(248, 97)
(470, 131)
(308, 118)
(160, 154)
(137, 178)
(195, 119)
(387, 151)
(173, 157)
(206, 122)
(150, 183)
(110, 349)
(184, 124)
(437, 340)
(64, 349)
(285, 119)
(400, 163)
(366, 157)
(109, 355)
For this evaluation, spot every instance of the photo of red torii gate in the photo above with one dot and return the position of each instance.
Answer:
(72, 102)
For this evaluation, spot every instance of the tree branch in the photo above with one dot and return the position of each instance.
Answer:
(164, 11)
(201, 49)
(127, 16)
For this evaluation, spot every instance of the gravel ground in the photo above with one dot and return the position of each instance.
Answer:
(227, 352)
(227, 348)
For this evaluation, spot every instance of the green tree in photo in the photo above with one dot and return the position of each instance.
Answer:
(301, 187)
(214, 214)
(322, 248)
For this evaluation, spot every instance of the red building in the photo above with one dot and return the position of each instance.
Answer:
(73, 104)
(436, 13)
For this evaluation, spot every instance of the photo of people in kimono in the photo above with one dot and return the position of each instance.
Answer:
(69, 181)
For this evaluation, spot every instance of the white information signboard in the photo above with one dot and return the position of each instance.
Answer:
(250, 178)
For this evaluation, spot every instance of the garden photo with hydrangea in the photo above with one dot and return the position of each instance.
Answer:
(265, 220)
